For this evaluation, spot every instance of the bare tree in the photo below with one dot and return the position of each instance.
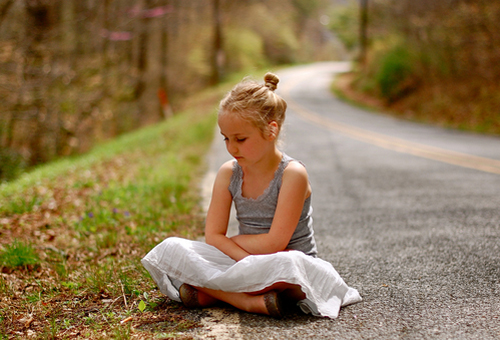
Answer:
(363, 31)
(163, 91)
(217, 52)
(143, 53)
(38, 24)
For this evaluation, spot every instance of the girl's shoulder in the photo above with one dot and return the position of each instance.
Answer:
(227, 167)
(226, 170)
(296, 168)
(295, 178)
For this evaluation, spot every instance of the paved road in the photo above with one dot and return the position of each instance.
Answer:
(408, 214)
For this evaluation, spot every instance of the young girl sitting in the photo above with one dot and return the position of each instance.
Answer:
(271, 264)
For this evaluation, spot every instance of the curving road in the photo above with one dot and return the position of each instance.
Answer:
(408, 214)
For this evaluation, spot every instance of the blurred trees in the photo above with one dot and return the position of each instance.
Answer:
(73, 72)
(456, 38)
(435, 60)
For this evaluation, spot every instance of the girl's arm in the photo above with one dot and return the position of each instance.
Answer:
(294, 190)
(218, 215)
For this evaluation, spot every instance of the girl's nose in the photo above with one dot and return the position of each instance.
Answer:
(231, 148)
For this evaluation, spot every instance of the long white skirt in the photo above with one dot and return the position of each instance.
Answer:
(177, 260)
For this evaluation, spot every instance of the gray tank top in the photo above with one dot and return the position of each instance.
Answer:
(256, 215)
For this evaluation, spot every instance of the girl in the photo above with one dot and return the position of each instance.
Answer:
(271, 264)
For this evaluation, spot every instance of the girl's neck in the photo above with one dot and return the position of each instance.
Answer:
(268, 164)
(257, 177)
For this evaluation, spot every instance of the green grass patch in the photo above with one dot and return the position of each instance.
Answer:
(18, 254)
(165, 140)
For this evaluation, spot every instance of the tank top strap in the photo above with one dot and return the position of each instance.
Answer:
(236, 180)
(278, 175)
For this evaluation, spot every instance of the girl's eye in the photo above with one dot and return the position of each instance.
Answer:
(239, 140)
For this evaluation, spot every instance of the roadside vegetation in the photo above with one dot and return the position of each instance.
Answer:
(74, 73)
(429, 61)
(73, 232)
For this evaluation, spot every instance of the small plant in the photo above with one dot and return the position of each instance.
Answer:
(122, 332)
(67, 324)
(19, 254)
(142, 306)
(33, 298)
(396, 67)
(50, 330)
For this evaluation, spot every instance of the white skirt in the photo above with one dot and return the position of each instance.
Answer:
(177, 260)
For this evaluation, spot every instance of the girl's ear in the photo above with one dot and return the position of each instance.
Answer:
(273, 130)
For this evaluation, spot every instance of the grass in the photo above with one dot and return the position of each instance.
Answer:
(18, 254)
(72, 233)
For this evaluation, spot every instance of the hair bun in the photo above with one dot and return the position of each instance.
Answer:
(271, 81)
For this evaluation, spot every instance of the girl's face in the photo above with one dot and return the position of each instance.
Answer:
(244, 141)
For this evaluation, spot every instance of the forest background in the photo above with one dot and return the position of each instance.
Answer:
(74, 73)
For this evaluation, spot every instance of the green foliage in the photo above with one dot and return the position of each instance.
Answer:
(11, 164)
(307, 8)
(18, 254)
(344, 22)
(245, 49)
(396, 66)
(198, 60)
(283, 46)
(280, 41)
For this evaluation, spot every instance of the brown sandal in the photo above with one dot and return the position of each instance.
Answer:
(274, 305)
(189, 296)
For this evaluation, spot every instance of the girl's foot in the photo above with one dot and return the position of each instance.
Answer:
(192, 298)
(274, 304)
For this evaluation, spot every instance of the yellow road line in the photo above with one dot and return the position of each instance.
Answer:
(397, 144)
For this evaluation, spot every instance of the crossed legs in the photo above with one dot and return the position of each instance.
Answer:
(249, 302)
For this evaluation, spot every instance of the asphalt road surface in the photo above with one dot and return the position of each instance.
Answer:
(408, 214)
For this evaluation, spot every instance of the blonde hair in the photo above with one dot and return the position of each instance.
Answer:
(256, 103)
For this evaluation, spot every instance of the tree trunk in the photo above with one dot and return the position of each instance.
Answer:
(142, 57)
(363, 34)
(163, 91)
(38, 23)
(217, 52)
(105, 50)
